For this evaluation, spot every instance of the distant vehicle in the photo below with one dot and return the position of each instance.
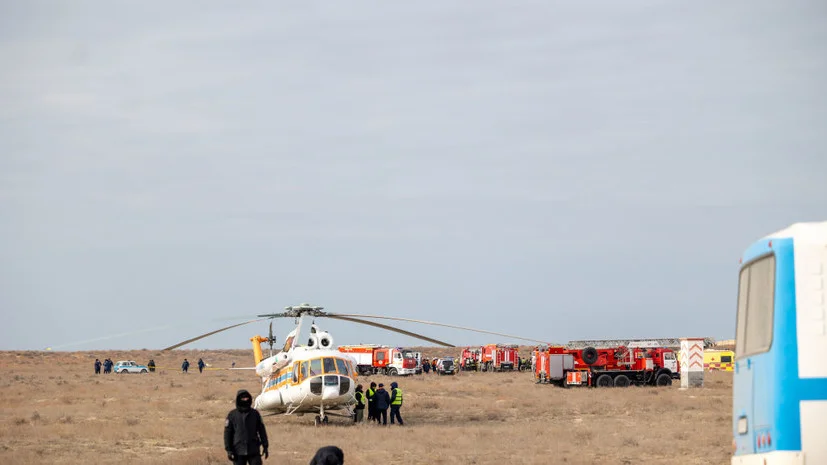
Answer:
(606, 367)
(129, 366)
(718, 360)
(446, 366)
(779, 398)
(376, 359)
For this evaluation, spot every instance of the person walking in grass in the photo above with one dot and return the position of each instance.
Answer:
(201, 365)
(185, 366)
(97, 366)
(396, 402)
(245, 437)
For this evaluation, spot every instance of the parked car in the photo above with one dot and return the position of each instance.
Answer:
(445, 366)
(129, 366)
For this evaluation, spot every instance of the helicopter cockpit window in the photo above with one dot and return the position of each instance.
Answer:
(315, 367)
(329, 365)
(342, 366)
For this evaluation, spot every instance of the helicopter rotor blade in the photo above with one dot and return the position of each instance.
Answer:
(211, 333)
(389, 328)
(270, 339)
(334, 315)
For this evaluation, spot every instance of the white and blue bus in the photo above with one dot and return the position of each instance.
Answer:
(780, 378)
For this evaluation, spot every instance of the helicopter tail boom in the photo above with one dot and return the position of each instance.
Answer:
(257, 354)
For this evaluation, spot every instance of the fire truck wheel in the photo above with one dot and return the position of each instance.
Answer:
(664, 380)
(393, 372)
(621, 381)
(590, 355)
(603, 381)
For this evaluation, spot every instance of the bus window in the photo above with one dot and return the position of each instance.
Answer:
(756, 302)
(342, 366)
(315, 367)
(329, 365)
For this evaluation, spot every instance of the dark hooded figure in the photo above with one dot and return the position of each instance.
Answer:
(244, 432)
(97, 367)
(328, 455)
(383, 401)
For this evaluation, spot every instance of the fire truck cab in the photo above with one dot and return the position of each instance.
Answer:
(376, 359)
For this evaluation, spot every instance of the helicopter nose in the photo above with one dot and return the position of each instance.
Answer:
(330, 392)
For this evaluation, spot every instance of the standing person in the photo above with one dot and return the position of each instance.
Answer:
(383, 401)
(396, 402)
(201, 365)
(244, 432)
(371, 395)
(359, 409)
(426, 366)
(151, 365)
(97, 366)
(107, 365)
(185, 366)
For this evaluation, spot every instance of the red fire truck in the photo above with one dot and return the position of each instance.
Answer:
(606, 367)
(498, 357)
(375, 359)
(469, 360)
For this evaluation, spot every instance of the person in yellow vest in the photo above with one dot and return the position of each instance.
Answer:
(396, 402)
(359, 408)
(371, 395)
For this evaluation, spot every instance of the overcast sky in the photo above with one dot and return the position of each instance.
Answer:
(558, 170)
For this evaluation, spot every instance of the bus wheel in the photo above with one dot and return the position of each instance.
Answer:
(621, 381)
(663, 380)
(603, 381)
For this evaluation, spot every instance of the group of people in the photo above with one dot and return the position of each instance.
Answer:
(377, 400)
(245, 437)
(186, 366)
(107, 366)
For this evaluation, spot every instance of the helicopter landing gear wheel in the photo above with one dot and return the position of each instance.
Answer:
(317, 421)
(324, 420)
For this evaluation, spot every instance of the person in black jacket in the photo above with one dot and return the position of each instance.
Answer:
(383, 401)
(371, 395)
(328, 455)
(244, 432)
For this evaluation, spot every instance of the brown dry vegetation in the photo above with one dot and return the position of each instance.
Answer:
(55, 410)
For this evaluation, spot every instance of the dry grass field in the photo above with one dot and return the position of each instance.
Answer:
(55, 410)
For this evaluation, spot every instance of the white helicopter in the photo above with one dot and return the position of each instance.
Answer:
(315, 378)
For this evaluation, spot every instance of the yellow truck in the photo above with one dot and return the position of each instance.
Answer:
(721, 360)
